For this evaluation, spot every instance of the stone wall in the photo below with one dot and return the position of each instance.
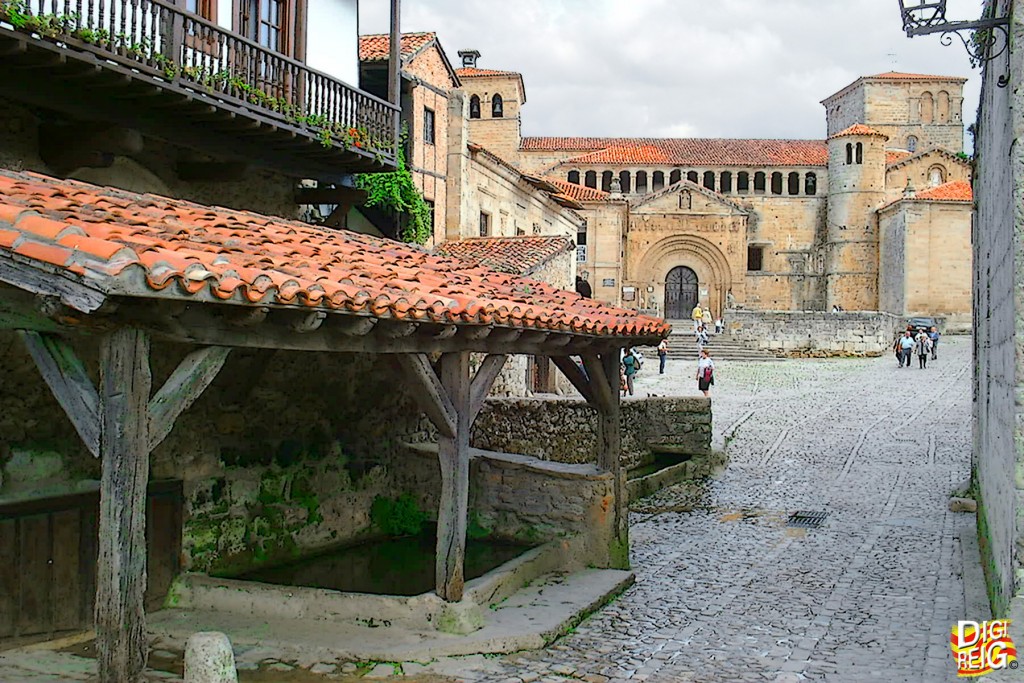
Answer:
(815, 334)
(563, 430)
(998, 314)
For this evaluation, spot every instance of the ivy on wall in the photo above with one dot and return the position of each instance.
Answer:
(395, 191)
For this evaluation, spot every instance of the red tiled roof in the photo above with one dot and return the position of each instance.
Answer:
(141, 245)
(955, 191)
(377, 47)
(895, 156)
(580, 193)
(687, 151)
(899, 76)
(483, 73)
(859, 129)
(517, 255)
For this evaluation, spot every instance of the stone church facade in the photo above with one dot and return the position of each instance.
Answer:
(876, 217)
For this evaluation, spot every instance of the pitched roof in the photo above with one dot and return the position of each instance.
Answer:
(377, 47)
(518, 255)
(910, 158)
(687, 151)
(473, 72)
(895, 156)
(124, 244)
(954, 191)
(901, 76)
(684, 184)
(859, 129)
(580, 193)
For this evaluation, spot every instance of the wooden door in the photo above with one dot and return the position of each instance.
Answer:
(680, 293)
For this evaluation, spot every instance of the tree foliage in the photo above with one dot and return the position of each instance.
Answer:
(397, 192)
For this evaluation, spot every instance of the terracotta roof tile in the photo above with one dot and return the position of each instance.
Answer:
(148, 246)
(900, 76)
(955, 191)
(686, 151)
(377, 47)
(517, 255)
(859, 129)
(483, 73)
(895, 156)
(580, 193)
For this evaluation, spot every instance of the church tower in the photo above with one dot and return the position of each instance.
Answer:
(856, 187)
(495, 99)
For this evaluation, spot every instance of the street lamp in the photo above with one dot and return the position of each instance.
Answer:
(988, 38)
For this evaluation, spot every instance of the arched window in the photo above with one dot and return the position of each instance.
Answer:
(657, 181)
(624, 180)
(725, 184)
(693, 177)
(574, 177)
(942, 107)
(591, 179)
(811, 184)
(743, 182)
(497, 106)
(936, 175)
(709, 180)
(927, 107)
(860, 152)
(912, 143)
(776, 183)
(849, 153)
(474, 107)
(641, 182)
(759, 179)
(793, 183)
(675, 176)
(606, 181)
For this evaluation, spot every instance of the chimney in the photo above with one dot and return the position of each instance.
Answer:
(469, 58)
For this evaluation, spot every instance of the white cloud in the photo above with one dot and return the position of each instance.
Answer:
(707, 68)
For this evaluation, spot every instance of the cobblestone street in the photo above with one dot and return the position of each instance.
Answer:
(726, 592)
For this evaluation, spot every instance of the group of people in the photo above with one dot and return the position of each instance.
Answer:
(702, 318)
(919, 342)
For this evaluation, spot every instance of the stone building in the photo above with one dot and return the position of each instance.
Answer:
(763, 224)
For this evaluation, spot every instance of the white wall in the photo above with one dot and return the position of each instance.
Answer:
(224, 16)
(332, 38)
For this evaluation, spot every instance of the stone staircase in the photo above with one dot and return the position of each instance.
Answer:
(682, 345)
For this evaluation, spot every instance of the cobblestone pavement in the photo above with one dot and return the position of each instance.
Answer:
(727, 592)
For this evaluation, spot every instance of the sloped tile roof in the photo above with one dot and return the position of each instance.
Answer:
(377, 47)
(900, 76)
(955, 191)
(580, 193)
(687, 151)
(518, 255)
(859, 129)
(141, 245)
(483, 73)
(895, 156)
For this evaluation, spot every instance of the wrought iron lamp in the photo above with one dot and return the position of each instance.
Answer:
(987, 39)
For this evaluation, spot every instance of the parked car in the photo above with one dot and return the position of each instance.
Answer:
(923, 322)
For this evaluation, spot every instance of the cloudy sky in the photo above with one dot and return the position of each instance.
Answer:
(667, 68)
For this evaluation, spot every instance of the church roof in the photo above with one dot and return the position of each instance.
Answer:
(955, 191)
(483, 73)
(377, 47)
(859, 129)
(518, 255)
(900, 76)
(580, 193)
(686, 151)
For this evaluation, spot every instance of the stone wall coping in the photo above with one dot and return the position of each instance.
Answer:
(696, 403)
(587, 471)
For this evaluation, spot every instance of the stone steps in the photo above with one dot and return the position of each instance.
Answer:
(682, 346)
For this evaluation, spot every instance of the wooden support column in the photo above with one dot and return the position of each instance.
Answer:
(453, 452)
(125, 383)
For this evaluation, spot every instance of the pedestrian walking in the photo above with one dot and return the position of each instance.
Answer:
(705, 372)
(906, 348)
(934, 336)
(923, 347)
(662, 356)
(719, 325)
(698, 317)
(631, 365)
(702, 338)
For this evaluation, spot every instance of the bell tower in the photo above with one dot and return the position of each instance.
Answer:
(494, 102)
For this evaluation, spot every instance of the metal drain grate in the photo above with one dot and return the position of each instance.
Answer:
(807, 519)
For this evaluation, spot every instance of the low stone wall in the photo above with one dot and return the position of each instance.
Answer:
(815, 334)
(564, 430)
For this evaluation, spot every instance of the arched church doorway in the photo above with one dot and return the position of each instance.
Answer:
(680, 293)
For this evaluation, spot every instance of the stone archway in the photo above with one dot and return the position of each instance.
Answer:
(681, 292)
(713, 272)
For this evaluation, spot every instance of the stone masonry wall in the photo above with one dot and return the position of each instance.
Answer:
(815, 334)
(563, 430)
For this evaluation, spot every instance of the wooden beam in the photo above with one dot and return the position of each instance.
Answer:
(576, 376)
(453, 453)
(603, 389)
(65, 374)
(188, 381)
(125, 382)
(429, 392)
(36, 279)
(483, 380)
(609, 451)
(340, 194)
(395, 55)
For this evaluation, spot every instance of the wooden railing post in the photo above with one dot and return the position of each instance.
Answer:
(453, 453)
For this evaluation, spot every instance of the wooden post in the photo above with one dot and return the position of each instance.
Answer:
(610, 458)
(453, 452)
(125, 383)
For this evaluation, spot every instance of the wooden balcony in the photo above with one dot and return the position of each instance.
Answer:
(150, 66)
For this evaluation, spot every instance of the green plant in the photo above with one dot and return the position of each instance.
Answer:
(397, 192)
(397, 516)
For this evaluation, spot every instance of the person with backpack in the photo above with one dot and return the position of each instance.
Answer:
(631, 365)
(705, 372)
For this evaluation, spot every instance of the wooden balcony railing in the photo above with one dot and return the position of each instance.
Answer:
(156, 38)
